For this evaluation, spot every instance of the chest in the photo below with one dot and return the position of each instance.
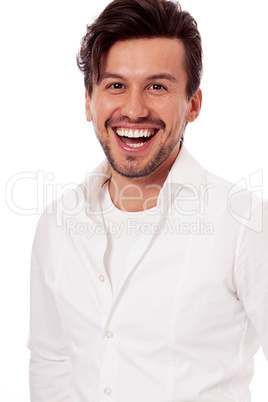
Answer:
(171, 279)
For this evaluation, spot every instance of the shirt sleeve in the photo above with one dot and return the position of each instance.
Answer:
(252, 271)
(50, 366)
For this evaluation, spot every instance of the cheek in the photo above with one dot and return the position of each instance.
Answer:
(170, 108)
(100, 102)
(98, 115)
(110, 101)
(171, 115)
(178, 113)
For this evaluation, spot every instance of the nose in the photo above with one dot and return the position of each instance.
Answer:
(135, 104)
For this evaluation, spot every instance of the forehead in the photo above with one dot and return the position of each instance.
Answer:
(141, 57)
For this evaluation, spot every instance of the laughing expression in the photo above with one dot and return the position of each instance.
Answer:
(139, 106)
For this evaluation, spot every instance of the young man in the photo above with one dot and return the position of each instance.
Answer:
(151, 282)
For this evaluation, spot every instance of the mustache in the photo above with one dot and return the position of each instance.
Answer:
(141, 120)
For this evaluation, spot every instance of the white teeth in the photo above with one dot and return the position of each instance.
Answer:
(140, 144)
(124, 132)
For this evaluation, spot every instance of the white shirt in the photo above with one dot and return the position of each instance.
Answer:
(190, 309)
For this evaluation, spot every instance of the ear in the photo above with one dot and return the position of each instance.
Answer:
(195, 104)
(88, 104)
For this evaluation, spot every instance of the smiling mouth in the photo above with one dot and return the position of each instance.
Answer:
(135, 138)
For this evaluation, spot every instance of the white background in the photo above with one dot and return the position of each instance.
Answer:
(43, 129)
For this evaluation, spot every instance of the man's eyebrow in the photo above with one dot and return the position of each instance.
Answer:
(162, 76)
(110, 75)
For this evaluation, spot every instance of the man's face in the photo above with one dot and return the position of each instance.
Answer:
(139, 107)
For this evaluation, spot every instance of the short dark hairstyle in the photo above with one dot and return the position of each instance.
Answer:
(137, 19)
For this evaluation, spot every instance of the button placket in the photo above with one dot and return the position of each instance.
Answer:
(109, 363)
(105, 294)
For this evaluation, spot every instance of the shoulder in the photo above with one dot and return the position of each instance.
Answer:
(75, 204)
(238, 199)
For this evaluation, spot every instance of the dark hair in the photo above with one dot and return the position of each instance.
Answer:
(135, 19)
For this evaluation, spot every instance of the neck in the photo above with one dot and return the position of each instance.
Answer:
(139, 194)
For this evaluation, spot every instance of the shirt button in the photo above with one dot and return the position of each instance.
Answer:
(109, 334)
(101, 278)
(107, 391)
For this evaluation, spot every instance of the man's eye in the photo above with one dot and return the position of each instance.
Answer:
(157, 87)
(116, 85)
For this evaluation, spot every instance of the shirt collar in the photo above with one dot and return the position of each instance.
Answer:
(185, 173)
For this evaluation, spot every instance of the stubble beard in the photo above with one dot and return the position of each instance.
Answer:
(133, 170)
